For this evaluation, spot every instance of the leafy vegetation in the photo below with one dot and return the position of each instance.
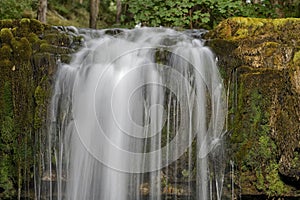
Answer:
(15, 8)
(170, 13)
(181, 13)
(199, 13)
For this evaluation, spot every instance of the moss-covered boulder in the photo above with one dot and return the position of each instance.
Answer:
(29, 56)
(260, 61)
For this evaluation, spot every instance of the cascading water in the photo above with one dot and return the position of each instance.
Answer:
(137, 115)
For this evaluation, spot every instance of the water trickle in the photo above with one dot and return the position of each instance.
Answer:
(137, 115)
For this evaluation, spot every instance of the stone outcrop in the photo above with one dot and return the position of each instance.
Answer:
(29, 55)
(259, 59)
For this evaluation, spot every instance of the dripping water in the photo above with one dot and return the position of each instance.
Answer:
(137, 115)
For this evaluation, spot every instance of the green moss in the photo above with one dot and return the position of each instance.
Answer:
(296, 160)
(260, 181)
(256, 151)
(296, 58)
(240, 27)
(241, 33)
(7, 132)
(21, 49)
(36, 26)
(54, 49)
(7, 64)
(66, 58)
(25, 28)
(5, 52)
(7, 100)
(6, 179)
(7, 138)
(15, 31)
(39, 95)
(270, 49)
(24, 92)
(260, 67)
(35, 42)
(276, 186)
(7, 23)
(6, 35)
(58, 39)
(33, 38)
(269, 181)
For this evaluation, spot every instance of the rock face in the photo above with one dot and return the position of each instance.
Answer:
(260, 60)
(29, 55)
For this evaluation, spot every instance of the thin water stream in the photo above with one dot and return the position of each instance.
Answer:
(137, 115)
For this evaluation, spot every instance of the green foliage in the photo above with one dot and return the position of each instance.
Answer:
(169, 13)
(192, 13)
(187, 13)
(13, 9)
(265, 10)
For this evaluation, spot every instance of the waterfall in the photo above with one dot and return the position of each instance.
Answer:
(137, 115)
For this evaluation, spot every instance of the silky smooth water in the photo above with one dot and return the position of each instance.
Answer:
(137, 115)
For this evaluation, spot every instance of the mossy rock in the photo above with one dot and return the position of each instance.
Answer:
(259, 58)
(6, 35)
(7, 23)
(5, 52)
(62, 39)
(54, 49)
(256, 139)
(259, 43)
(38, 27)
(240, 28)
(28, 62)
(21, 49)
